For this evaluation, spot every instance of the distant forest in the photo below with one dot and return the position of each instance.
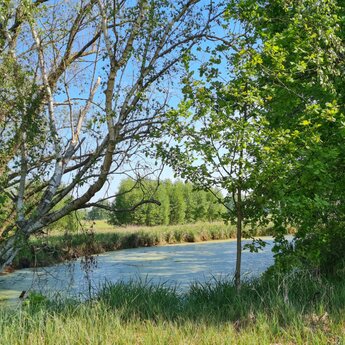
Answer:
(180, 203)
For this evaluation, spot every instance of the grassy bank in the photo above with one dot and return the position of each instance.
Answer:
(101, 237)
(295, 309)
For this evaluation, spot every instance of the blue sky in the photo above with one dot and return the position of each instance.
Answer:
(175, 96)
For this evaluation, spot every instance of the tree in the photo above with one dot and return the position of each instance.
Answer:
(271, 134)
(302, 50)
(221, 153)
(215, 209)
(220, 129)
(189, 205)
(69, 223)
(178, 205)
(78, 98)
(158, 214)
(200, 205)
(190, 200)
(133, 207)
(97, 213)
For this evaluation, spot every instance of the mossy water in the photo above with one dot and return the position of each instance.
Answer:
(175, 264)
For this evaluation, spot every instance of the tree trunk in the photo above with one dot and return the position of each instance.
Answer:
(8, 251)
(238, 239)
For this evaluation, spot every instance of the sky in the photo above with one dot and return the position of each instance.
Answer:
(175, 97)
(80, 88)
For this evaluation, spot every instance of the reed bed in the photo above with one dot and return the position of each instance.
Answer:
(99, 237)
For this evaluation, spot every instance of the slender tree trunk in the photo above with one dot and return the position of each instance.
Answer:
(239, 206)
(239, 217)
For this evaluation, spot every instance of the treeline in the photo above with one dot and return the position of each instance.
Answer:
(180, 203)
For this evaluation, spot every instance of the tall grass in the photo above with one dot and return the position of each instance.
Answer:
(48, 250)
(294, 309)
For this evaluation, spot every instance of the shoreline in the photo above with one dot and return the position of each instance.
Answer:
(63, 246)
(233, 239)
(73, 257)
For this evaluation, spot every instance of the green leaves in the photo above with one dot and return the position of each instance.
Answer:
(180, 203)
(274, 126)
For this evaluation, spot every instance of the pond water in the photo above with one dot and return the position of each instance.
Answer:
(173, 264)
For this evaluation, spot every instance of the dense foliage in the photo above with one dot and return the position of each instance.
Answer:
(179, 203)
(300, 49)
(263, 119)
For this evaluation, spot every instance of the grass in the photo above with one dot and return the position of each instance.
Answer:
(294, 309)
(99, 237)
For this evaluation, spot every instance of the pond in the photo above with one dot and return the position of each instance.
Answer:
(172, 264)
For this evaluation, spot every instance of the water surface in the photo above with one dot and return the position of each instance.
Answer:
(174, 264)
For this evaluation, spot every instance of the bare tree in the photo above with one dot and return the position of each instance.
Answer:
(85, 84)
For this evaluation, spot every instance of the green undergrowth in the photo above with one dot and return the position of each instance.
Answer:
(48, 250)
(293, 309)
